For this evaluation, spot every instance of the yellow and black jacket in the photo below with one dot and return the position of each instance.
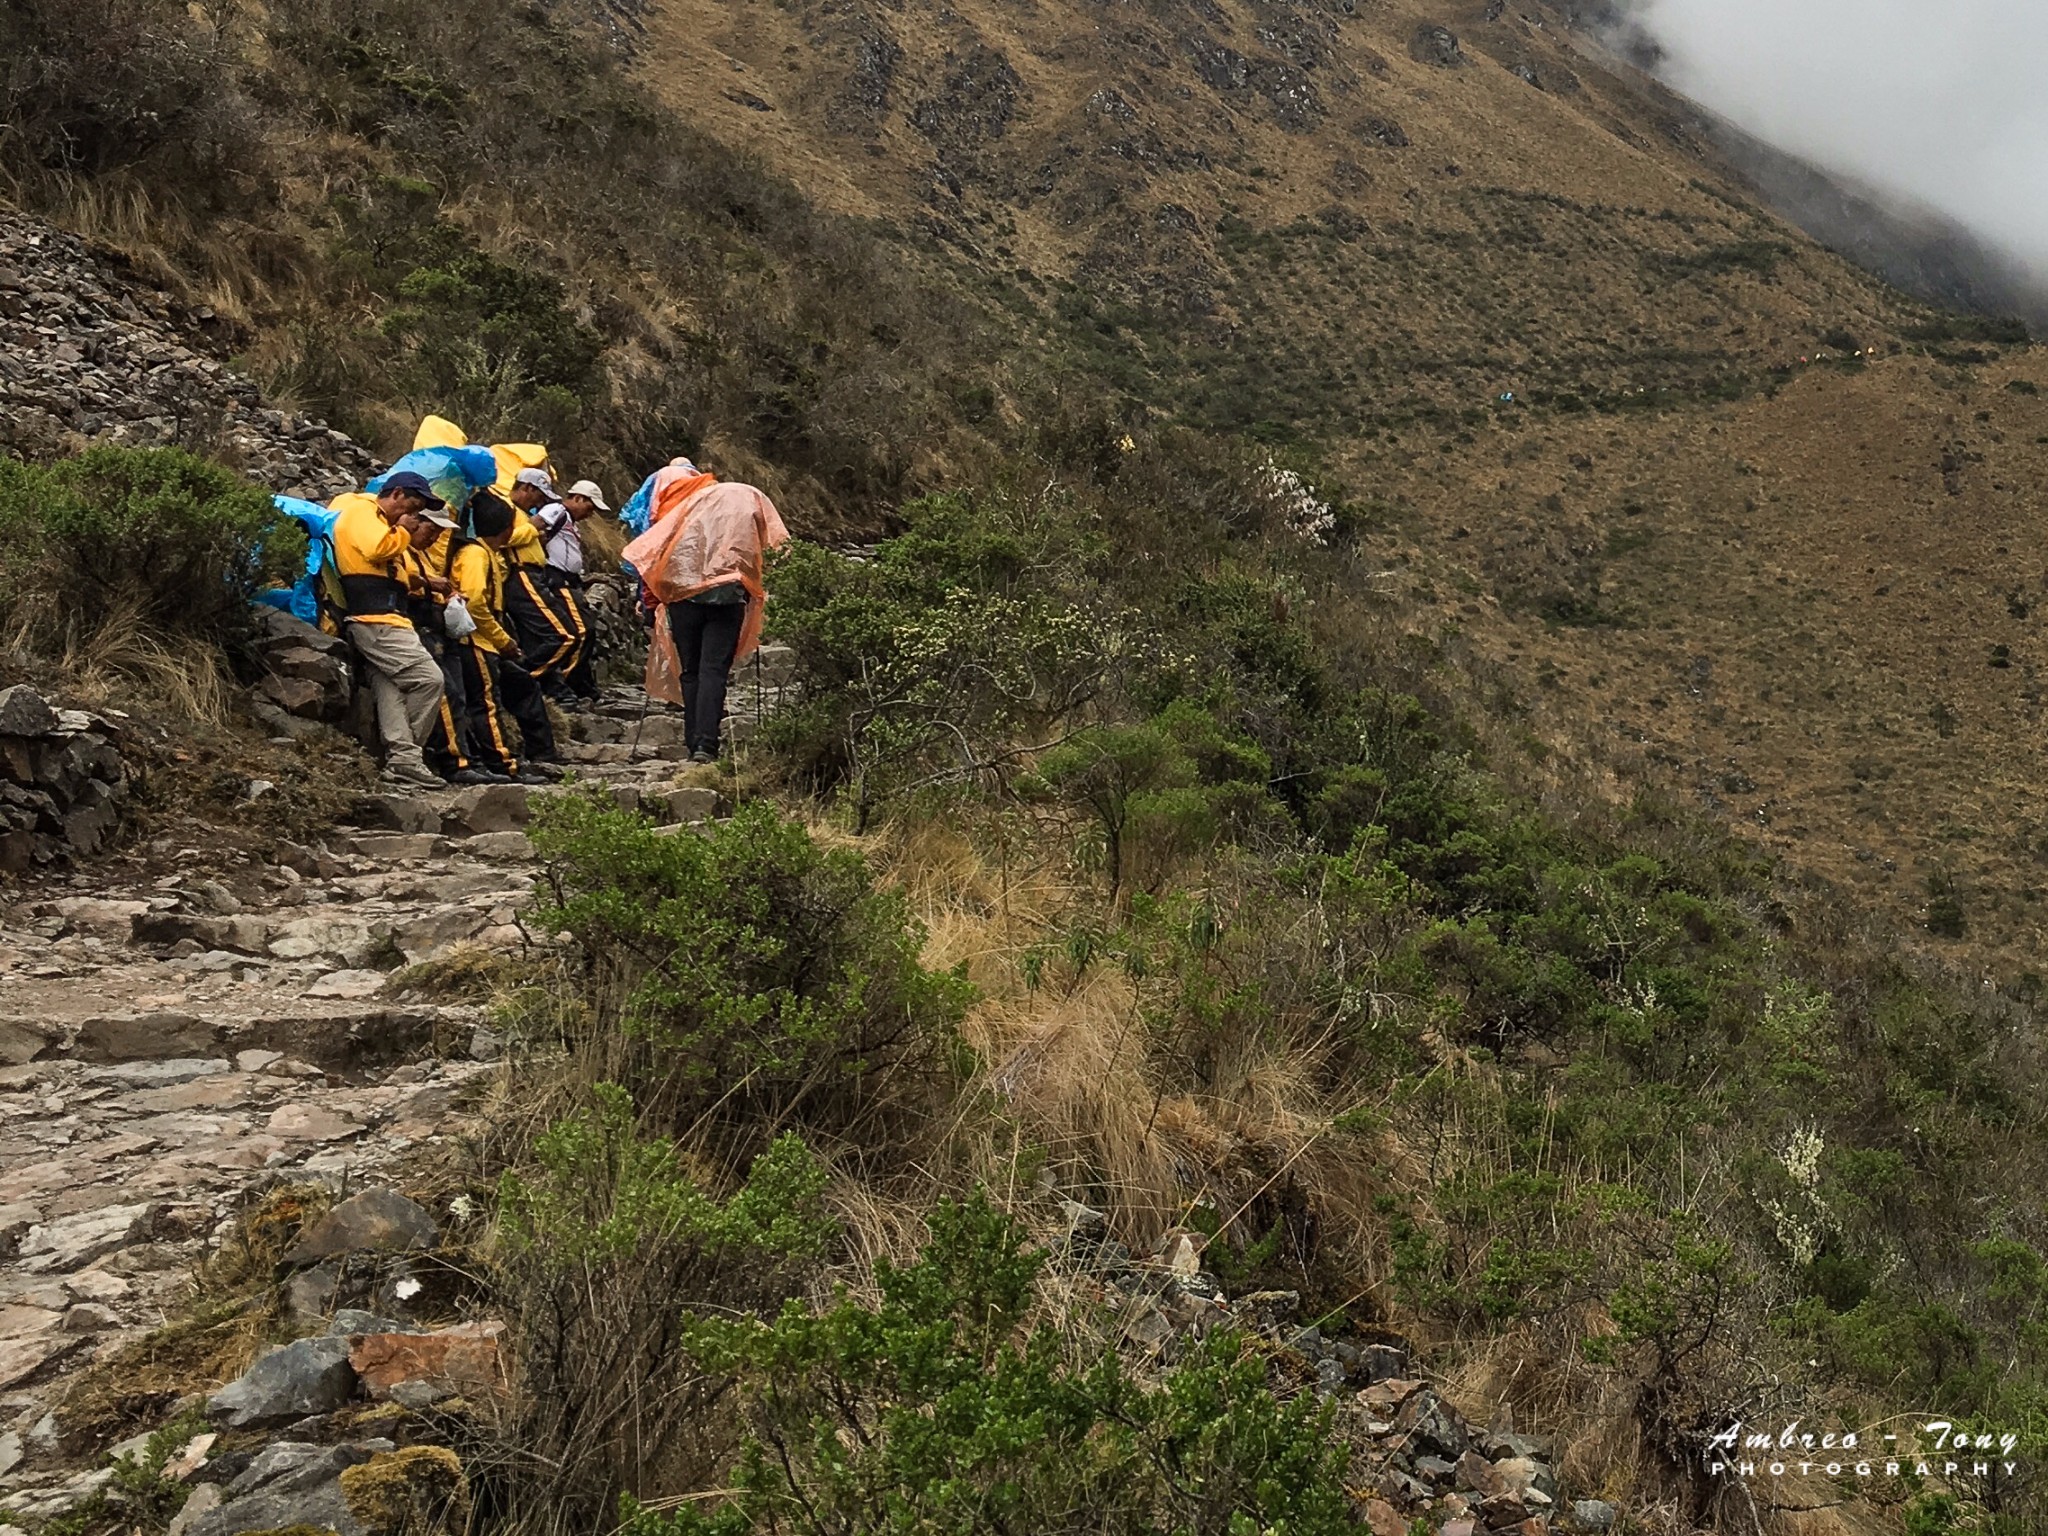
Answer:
(481, 580)
(371, 560)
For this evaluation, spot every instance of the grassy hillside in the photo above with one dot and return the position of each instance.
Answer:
(1706, 537)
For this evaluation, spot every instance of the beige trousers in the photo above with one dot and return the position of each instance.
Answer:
(406, 683)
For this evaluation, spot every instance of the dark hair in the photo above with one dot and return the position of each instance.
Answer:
(489, 516)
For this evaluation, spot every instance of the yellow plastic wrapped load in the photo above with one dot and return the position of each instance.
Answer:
(439, 432)
(512, 458)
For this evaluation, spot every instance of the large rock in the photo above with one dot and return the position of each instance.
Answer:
(398, 813)
(290, 1383)
(72, 1242)
(463, 1361)
(24, 712)
(291, 1484)
(491, 808)
(693, 803)
(62, 780)
(22, 1358)
(425, 937)
(23, 1040)
(288, 632)
(245, 935)
(376, 1221)
(144, 1037)
(349, 940)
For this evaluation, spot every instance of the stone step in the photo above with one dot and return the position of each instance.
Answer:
(335, 1037)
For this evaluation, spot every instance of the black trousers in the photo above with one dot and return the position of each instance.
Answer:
(707, 637)
(547, 639)
(580, 676)
(446, 748)
(493, 689)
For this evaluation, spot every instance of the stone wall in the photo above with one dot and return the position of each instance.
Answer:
(62, 780)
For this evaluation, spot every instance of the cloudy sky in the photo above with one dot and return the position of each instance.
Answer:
(1943, 101)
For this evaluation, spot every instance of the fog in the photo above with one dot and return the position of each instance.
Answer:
(1939, 102)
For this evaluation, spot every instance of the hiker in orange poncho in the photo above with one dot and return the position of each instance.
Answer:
(702, 560)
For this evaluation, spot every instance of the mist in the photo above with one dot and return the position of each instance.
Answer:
(1935, 102)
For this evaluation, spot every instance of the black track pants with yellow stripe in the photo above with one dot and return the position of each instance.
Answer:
(490, 733)
(547, 634)
(446, 747)
(496, 693)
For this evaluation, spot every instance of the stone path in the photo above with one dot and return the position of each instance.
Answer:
(183, 1022)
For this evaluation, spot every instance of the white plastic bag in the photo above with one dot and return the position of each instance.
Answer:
(456, 619)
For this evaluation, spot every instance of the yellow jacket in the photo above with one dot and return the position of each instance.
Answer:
(524, 547)
(481, 581)
(370, 556)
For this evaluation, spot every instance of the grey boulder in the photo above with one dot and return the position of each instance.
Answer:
(290, 1383)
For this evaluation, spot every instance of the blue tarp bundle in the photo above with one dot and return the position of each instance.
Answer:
(302, 600)
(639, 507)
(454, 473)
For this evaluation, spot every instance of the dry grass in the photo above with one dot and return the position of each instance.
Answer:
(1074, 1078)
(233, 1312)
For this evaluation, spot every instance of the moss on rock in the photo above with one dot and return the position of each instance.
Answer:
(411, 1492)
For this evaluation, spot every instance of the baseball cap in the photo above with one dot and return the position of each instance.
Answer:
(408, 480)
(537, 478)
(589, 488)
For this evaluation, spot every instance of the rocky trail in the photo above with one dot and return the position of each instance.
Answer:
(187, 1025)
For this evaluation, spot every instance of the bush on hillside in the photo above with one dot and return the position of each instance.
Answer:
(925, 666)
(154, 541)
(748, 974)
(146, 87)
(938, 1409)
(1159, 792)
(604, 1243)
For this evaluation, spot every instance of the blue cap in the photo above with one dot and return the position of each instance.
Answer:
(407, 480)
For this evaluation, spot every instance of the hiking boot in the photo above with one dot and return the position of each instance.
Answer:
(701, 756)
(535, 776)
(409, 776)
(468, 776)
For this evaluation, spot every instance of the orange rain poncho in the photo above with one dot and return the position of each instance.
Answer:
(719, 534)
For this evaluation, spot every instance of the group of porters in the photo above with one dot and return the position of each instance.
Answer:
(471, 619)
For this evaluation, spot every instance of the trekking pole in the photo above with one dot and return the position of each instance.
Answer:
(646, 703)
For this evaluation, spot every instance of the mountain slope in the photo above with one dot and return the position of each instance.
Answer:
(1704, 532)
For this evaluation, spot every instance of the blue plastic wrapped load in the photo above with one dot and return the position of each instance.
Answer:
(302, 599)
(454, 473)
(640, 506)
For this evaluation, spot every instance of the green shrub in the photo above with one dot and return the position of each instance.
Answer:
(605, 1243)
(1158, 792)
(755, 975)
(979, 626)
(154, 540)
(936, 1410)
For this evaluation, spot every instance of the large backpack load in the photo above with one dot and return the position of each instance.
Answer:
(302, 600)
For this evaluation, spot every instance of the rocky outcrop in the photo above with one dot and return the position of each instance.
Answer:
(62, 780)
(308, 678)
(91, 353)
(1420, 1464)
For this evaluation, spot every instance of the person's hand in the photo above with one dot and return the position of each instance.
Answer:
(440, 586)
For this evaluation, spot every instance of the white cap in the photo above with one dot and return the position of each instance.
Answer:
(589, 488)
(537, 478)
